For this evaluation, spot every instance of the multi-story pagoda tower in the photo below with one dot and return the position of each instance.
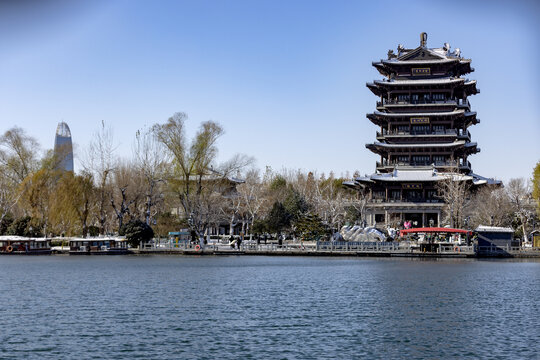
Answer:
(423, 115)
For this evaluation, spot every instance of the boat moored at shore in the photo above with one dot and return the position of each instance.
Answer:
(18, 245)
(98, 246)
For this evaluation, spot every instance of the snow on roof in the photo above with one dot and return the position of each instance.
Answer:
(414, 175)
(483, 228)
(400, 115)
(481, 180)
(19, 238)
(427, 61)
(423, 175)
(428, 145)
(422, 81)
(99, 238)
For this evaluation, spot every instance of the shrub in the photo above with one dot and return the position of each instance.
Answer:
(25, 226)
(93, 231)
(136, 231)
(5, 223)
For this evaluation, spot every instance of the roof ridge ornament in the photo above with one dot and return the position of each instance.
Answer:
(423, 39)
(400, 49)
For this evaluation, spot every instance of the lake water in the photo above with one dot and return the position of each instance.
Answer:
(169, 307)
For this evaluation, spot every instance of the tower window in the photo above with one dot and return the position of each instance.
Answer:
(438, 128)
(420, 159)
(403, 97)
(438, 97)
(439, 159)
(420, 129)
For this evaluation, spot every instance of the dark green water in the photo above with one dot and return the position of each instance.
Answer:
(158, 307)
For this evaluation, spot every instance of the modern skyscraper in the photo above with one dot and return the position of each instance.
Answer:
(63, 148)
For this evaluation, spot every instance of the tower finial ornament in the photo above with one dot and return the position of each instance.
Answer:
(423, 39)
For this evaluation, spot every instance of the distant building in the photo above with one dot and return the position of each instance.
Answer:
(424, 117)
(63, 148)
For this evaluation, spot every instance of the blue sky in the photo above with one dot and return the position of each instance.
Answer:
(286, 79)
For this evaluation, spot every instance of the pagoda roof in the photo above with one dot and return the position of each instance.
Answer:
(481, 180)
(445, 80)
(424, 62)
(404, 115)
(383, 148)
(458, 143)
(428, 54)
(380, 118)
(380, 87)
(469, 117)
(423, 55)
(417, 175)
(389, 66)
(412, 62)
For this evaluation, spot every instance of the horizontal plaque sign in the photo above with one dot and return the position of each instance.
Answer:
(419, 120)
(421, 71)
(412, 186)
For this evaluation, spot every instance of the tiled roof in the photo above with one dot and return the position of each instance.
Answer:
(400, 115)
(413, 175)
(426, 145)
(483, 228)
(446, 80)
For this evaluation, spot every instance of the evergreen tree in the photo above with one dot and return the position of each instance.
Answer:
(311, 227)
(278, 218)
(136, 231)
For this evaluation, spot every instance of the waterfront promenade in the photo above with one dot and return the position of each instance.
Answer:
(335, 248)
(218, 247)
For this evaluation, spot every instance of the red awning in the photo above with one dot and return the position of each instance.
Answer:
(434, 230)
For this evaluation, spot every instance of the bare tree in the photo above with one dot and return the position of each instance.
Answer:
(127, 190)
(453, 190)
(9, 196)
(151, 161)
(100, 162)
(356, 202)
(490, 205)
(333, 202)
(519, 192)
(252, 194)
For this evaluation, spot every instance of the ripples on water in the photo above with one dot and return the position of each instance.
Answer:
(159, 307)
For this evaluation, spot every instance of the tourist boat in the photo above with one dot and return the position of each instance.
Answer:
(18, 245)
(98, 246)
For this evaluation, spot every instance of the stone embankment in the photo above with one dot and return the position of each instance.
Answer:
(371, 249)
